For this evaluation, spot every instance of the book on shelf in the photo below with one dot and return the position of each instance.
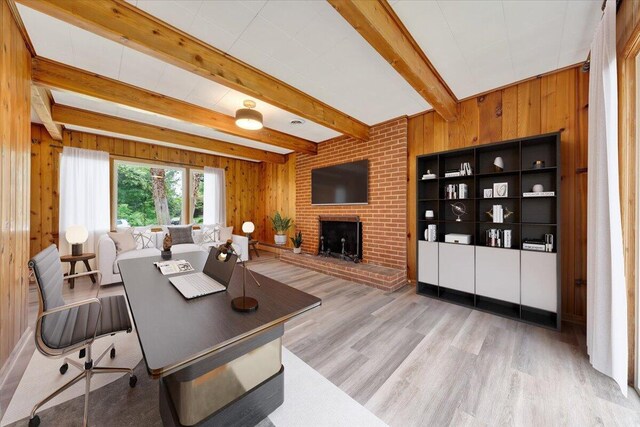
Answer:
(173, 266)
(539, 194)
(498, 238)
(534, 245)
(452, 174)
(456, 191)
(498, 214)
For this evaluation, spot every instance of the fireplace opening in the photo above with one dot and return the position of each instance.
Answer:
(340, 237)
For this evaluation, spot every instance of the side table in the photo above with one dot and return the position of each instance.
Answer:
(72, 259)
(252, 244)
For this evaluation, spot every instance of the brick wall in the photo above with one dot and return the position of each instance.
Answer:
(384, 218)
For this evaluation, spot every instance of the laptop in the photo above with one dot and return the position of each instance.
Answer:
(214, 277)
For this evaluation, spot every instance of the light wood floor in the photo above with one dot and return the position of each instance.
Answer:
(415, 361)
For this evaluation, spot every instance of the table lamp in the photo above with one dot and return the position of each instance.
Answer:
(247, 228)
(76, 235)
(244, 303)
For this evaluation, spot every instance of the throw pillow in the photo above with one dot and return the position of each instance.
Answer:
(124, 241)
(209, 235)
(225, 233)
(180, 234)
(144, 239)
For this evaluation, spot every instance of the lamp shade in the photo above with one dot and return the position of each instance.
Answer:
(249, 119)
(76, 234)
(248, 227)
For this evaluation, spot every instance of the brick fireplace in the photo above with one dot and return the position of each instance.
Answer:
(383, 219)
(340, 237)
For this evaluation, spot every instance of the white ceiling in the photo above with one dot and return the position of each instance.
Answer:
(477, 46)
(304, 43)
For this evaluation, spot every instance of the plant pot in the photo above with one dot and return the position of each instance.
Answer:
(280, 239)
(297, 250)
(165, 254)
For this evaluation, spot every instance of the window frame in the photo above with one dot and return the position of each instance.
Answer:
(191, 201)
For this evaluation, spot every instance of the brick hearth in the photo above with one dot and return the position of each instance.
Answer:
(385, 278)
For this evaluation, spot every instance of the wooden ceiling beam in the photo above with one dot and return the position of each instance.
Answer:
(122, 22)
(88, 119)
(55, 75)
(41, 103)
(379, 25)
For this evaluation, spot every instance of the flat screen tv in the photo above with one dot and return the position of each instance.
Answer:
(345, 184)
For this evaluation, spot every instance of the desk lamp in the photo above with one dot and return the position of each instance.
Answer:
(244, 303)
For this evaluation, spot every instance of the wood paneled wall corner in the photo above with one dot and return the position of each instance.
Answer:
(277, 193)
(243, 178)
(554, 102)
(15, 113)
(628, 48)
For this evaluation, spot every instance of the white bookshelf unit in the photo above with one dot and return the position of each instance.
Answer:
(511, 281)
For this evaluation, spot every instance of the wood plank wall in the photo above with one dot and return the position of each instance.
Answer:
(554, 102)
(243, 178)
(15, 106)
(627, 34)
(277, 193)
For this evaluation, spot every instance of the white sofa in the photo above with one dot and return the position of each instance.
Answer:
(107, 258)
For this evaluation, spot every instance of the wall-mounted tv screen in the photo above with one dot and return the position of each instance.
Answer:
(345, 184)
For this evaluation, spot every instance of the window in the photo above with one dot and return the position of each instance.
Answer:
(197, 196)
(149, 194)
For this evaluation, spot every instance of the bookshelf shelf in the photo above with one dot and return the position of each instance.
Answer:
(480, 275)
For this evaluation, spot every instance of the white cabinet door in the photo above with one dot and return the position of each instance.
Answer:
(539, 279)
(456, 267)
(498, 273)
(428, 262)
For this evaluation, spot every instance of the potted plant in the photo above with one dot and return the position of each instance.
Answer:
(280, 225)
(297, 242)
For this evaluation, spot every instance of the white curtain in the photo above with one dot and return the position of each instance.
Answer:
(84, 195)
(215, 201)
(606, 292)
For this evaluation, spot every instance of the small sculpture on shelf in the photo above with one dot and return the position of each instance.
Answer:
(498, 213)
(458, 210)
(166, 246)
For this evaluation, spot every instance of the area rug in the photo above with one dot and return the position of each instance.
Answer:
(310, 399)
(42, 376)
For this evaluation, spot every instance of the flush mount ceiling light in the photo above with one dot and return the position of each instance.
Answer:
(248, 118)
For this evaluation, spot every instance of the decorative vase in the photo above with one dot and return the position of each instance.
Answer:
(297, 250)
(165, 254)
(538, 188)
(280, 239)
(498, 164)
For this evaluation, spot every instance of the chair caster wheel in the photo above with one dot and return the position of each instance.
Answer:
(112, 354)
(34, 422)
(133, 380)
(63, 370)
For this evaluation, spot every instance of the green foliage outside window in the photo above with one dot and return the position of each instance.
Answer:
(136, 202)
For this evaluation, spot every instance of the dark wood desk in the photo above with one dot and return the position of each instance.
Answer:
(204, 351)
